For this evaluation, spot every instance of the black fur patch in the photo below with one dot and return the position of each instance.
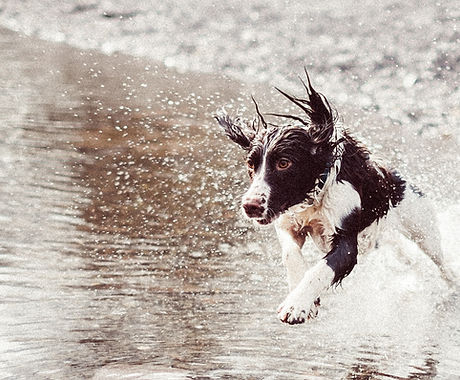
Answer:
(343, 256)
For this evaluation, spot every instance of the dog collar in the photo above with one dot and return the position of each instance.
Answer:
(328, 175)
(325, 179)
(320, 182)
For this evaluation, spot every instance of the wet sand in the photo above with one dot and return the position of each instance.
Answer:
(124, 253)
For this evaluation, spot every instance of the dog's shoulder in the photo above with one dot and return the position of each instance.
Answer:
(379, 186)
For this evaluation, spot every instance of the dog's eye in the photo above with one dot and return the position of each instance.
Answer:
(283, 163)
(250, 164)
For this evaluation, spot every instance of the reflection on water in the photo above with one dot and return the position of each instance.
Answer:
(123, 253)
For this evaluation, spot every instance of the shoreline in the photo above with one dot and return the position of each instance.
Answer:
(357, 56)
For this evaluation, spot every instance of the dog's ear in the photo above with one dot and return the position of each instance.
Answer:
(321, 117)
(236, 129)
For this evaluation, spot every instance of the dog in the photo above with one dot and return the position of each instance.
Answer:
(310, 177)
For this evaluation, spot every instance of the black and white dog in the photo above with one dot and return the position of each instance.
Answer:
(312, 178)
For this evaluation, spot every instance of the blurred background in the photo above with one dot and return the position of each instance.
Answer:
(122, 248)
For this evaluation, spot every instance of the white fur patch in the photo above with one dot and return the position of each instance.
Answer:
(259, 187)
(340, 201)
(300, 303)
(291, 255)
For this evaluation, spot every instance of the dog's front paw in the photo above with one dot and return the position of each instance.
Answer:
(295, 309)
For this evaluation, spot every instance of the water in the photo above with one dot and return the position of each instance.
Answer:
(124, 255)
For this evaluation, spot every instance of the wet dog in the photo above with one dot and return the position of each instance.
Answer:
(312, 178)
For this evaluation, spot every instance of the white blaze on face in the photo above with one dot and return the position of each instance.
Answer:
(259, 188)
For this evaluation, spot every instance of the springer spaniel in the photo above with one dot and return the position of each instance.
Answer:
(312, 178)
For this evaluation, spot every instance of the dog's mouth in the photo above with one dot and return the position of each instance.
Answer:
(265, 221)
(267, 216)
(270, 218)
(273, 217)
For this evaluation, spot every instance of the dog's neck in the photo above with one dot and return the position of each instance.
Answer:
(327, 177)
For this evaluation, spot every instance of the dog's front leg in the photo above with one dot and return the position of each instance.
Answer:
(291, 241)
(300, 303)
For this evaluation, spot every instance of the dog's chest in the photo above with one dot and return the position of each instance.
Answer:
(313, 221)
(317, 223)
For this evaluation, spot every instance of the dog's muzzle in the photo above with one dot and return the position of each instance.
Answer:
(254, 207)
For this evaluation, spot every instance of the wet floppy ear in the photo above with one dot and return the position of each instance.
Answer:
(235, 130)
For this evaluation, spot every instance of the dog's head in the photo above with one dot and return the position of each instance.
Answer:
(285, 161)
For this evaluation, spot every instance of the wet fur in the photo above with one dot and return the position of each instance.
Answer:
(355, 193)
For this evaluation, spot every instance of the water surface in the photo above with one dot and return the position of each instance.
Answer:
(123, 252)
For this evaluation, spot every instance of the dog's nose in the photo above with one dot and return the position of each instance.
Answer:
(253, 207)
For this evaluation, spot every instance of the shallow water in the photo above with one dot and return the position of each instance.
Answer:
(123, 252)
